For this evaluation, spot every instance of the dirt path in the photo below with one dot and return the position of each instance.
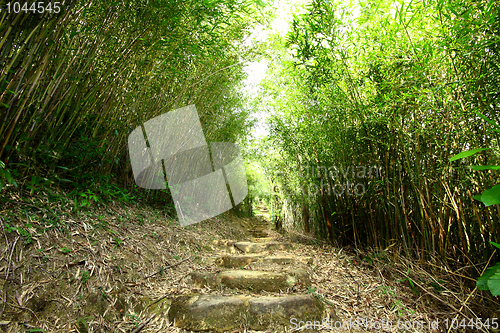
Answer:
(136, 270)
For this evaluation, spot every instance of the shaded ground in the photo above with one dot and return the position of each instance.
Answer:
(116, 268)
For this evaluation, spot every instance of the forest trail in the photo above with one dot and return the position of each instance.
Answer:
(132, 268)
(261, 265)
(379, 161)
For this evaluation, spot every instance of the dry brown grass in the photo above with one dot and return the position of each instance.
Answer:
(103, 271)
(375, 285)
(115, 268)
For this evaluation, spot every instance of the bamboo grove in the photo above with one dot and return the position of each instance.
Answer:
(397, 90)
(74, 84)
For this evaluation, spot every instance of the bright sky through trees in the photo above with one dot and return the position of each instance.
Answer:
(285, 9)
(257, 70)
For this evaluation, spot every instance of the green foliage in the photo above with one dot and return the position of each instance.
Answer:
(9, 229)
(21, 231)
(384, 290)
(397, 305)
(410, 282)
(85, 276)
(312, 291)
(491, 196)
(402, 86)
(136, 319)
(117, 241)
(490, 280)
(5, 177)
(26, 234)
(65, 250)
(82, 324)
(467, 154)
(74, 86)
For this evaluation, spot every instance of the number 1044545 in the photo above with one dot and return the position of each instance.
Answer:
(33, 7)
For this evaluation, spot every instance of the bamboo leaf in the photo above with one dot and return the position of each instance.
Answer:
(482, 282)
(485, 167)
(490, 197)
(467, 153)
(494, 284)
(489, 121)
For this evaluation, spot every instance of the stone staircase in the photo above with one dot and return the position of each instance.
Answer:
(261, 285)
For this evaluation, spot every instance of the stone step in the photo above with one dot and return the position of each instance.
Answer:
(258, 227)
(229, 261)
(226, 245)
(261, 239)
(252, 280)
(264, 231)
(225, 313)
(259, 234)
(250, 247)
